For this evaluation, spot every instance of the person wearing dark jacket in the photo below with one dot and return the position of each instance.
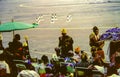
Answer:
(65, 43)
(17, 47)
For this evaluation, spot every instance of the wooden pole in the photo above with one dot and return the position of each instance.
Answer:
(13, 33)
(13, 30)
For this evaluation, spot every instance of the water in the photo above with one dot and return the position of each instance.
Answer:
(83, 12)
(78, 16)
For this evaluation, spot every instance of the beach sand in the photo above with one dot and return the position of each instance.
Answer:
(42, 41)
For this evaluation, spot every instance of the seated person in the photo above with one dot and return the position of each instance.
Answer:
(4, 67)
(16, 48)
(70, 58)
(112, 59)
(97, 60)
(77, 55)
(45, 59)
(100, 53)
(84, 60)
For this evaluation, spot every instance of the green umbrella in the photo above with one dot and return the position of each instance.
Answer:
(12, 26)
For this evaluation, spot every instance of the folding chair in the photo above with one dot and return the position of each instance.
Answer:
(61, 59)
(20, 67)
(83, 72)
(96, 73)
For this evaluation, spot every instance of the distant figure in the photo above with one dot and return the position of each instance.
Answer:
(16, 42)
(17, 47)
(101, 54)
(57, 50)
(45, 59)
(1, 38)
(77, 55)
(84, 60)
(65, 43)
(114, 46)
(4, 67)
(95, 38)
(26, 48)
(116, 54)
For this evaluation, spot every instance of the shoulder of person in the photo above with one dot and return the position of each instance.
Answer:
(92, 34)
(60, 37)
(68, 36)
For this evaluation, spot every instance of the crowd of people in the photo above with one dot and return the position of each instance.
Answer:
(63, 63)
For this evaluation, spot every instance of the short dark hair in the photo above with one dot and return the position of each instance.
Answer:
(95, 28)
(17, 36)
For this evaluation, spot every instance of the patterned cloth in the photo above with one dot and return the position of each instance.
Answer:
(28, 73)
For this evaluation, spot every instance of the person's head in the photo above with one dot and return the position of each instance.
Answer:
(63, 32)
(10, 44)
(77, 50)
(95, 30)
(17, 37)
(99, 48)
(57, 50)
(93, 49)
(45, 59)
(84, 57)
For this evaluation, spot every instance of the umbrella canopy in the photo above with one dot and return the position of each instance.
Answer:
(111, 34)
(11, 26)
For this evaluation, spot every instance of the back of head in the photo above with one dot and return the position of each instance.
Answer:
(45, 59)
(99, 48)
(17, 37)
(93, 49)
(77, 49)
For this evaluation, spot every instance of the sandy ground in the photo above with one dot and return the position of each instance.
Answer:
(43, 41)
(77, 17)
